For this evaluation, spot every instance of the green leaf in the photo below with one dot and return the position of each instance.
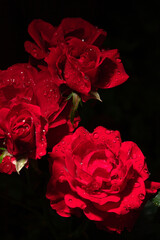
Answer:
(156, 199)
(1, 158)
(3, 149)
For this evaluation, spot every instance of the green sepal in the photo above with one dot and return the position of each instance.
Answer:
(156, 200)
(76, 100)
(3, 149)
(19, 164)
(69, 96)
(95, 95)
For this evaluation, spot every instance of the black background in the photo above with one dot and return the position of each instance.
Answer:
(133, 27)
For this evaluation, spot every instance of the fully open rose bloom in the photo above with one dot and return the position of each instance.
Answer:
(100, 175)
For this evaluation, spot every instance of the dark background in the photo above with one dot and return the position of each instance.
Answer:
(132, 108)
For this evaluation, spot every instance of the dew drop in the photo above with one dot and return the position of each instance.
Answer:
(129, 152)
(134, 155)
(95, 135)
(109, 131)
(136, 185)
(82, 39)
(141, 196)
(41, 153)
(45, 93)
(35, 52)
(145, 170)
(118, 60)
(129, 207)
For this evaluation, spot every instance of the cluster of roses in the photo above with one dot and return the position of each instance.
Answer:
(91, 172)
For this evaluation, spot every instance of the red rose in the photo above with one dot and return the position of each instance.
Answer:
(84, 68)
(7, 165)
(79, 28)
(24, 130)
(46, 36)
(54, 108)
(17, 81)
(31, 103)
(47, 94)
(102, 176)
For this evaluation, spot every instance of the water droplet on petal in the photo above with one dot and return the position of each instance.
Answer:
(129, 207)
(35, 52)
(95, 135)
(41, 153)
(109, 131)
(118, 60)
(141, 196)
(45, 93)
(137, 184)
(145, 170)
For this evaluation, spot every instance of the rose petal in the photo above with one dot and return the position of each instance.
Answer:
(111, 71)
